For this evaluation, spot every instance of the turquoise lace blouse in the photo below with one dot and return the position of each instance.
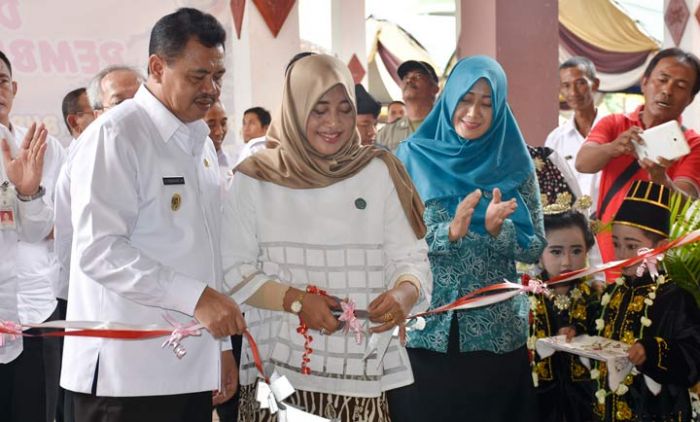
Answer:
(473, 262)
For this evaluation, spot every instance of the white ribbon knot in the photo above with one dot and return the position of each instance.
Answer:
(649, 262)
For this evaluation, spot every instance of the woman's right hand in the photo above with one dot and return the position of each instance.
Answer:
(459, 227)
(497, 212)
(315, 310)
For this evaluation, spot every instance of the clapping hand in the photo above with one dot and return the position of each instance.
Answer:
(25, 170)
(459, 227)
(497, 212)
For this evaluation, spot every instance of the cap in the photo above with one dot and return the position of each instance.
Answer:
(421, 66)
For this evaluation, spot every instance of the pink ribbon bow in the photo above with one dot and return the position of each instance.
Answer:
(649, 262)
(537, 286)
(180, 332)
(9, 329)
(351, 321)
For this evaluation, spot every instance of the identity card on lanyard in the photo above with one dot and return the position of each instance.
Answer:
(8, 203)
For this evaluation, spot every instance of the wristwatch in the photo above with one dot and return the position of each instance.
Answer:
(296, 306)
(26, 198)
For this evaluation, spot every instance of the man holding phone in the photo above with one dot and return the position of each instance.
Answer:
(670, 83)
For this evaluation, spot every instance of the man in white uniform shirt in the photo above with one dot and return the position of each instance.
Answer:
(28, 217)
(36, 269)
(110, 87)
(146, 219)
(578, 84)
(77, 115)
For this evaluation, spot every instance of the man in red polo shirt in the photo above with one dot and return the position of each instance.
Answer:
(669, 85)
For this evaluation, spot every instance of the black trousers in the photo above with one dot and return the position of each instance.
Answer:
(470, 386)
(228, 411)
(29, 384)
(192, 407)
(64, 403)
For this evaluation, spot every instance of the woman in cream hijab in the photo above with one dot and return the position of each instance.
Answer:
(321, 211)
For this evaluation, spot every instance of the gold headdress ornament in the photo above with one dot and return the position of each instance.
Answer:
(565, 202)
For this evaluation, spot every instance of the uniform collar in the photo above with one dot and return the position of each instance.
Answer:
(570, 124)
(167, 124)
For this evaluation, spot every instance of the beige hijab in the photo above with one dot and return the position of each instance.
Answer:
(295, 164)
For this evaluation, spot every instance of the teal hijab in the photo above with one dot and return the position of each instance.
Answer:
(444, 165)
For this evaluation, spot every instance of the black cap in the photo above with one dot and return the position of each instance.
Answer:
(421, 66)
(366, 104)
(646, 206)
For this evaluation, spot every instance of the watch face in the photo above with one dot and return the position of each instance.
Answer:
(296, 306)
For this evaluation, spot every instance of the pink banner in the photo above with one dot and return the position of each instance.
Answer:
(57, 46)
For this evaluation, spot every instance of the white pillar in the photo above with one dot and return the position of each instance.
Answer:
(348, 31)
(259, 60)
(690, 41)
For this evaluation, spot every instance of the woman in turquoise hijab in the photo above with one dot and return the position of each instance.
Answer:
(472, 169)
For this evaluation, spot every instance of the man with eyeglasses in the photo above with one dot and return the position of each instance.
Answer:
(419, 86)
(112, 85)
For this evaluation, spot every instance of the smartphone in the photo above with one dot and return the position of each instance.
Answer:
(665, 140)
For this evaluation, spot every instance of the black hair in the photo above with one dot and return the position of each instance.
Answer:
(70, 104)
(171, 33)
(583, 62)
(296, 58)
(263, 115)
(4, 58)
(396, 102)
(571, 218)
(683, 57)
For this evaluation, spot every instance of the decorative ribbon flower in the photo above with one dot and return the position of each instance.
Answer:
(595, 374)
(537, 286)
(180, 332)
(649, 262)
(351, 321)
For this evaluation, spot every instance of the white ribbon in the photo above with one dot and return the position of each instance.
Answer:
(271, 396)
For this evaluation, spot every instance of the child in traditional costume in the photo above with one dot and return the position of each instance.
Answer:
(648, 310)
(564, 386)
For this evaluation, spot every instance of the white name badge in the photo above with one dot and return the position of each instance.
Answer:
(8, 205)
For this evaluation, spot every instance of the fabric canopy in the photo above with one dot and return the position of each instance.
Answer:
(390, 46)
(600, 31)
(603, 24)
